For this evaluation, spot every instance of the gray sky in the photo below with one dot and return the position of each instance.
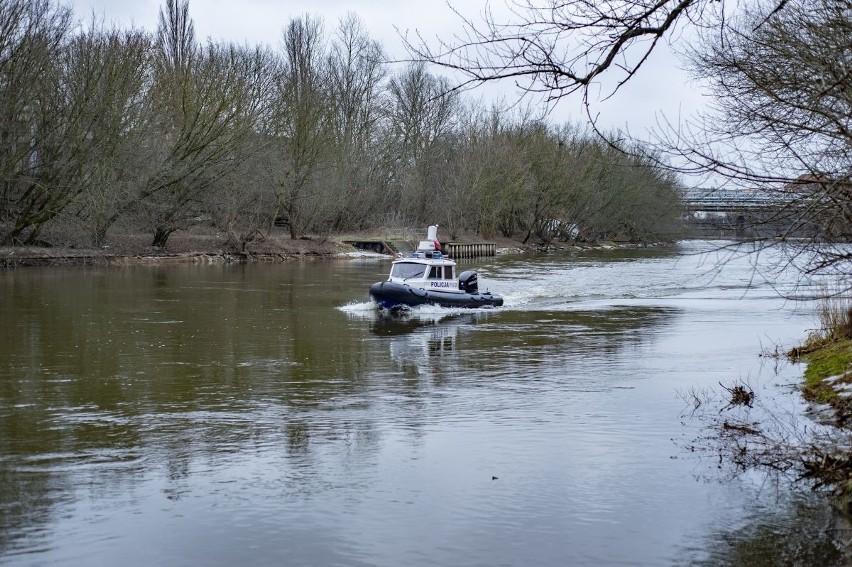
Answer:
(660, 86)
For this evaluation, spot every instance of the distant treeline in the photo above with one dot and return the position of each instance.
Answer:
(106, 131)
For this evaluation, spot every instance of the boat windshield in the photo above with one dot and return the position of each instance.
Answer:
(407, 270)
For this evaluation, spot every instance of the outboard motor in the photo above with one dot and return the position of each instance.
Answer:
(469, 282)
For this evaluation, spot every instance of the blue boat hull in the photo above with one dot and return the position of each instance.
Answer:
(391, 294)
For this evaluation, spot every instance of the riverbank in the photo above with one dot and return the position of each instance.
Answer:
(189, 247)
(208, 247)
(828, 378)
(828, 384)
(823, 460)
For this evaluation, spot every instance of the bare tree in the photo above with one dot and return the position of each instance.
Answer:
(628, 196)
(538, 183)
(557, 48)
(301, 126)
(201, 110)
(419, 130)
(176, 42)
(781, 122)
(460, 183)
(36, 173)
(112, 66)
(242, 202)
(421, 110)
(356, 73)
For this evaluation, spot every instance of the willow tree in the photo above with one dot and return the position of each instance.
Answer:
(420, 120)
(200, 111)
(241, 202)
(111, 68)
(356, 73)
(301, 128)
(36, 161)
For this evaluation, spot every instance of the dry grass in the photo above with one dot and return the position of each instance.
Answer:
(834, 315)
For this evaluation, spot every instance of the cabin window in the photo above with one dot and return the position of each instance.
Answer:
(407, 270)
(448, 273)
(435, 273)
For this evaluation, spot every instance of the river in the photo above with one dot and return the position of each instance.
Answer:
(267, 415)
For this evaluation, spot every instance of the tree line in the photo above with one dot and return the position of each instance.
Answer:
(107, 131)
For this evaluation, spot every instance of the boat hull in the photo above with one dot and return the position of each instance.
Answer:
(391, 294)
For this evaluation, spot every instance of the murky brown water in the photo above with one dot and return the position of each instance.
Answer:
(266, 415)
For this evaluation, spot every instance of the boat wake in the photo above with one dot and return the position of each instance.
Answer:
(357, 309)
(369, 310)
(689, 273)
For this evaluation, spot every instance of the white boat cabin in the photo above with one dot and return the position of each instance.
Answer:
(426, 268)
(427, 273)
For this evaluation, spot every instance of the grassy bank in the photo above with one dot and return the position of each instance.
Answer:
(828, 376)
(828, 381)
(777, 443)
(828, 354)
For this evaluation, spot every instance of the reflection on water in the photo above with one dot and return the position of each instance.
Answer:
(270, 414)
(797, 530)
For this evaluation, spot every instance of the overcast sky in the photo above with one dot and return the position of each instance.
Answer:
(660, 87)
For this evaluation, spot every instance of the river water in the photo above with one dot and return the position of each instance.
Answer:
(267, 415)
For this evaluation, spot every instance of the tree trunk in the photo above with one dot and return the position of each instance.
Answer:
(99, 235)
(161, 236)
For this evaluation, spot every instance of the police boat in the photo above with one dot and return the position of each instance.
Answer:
(428, 277)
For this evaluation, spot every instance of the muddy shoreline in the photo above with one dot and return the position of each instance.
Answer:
(182, 249)
(205, 249)
(25, 258)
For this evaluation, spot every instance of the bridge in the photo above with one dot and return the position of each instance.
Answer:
(741, 212)
(734, 200)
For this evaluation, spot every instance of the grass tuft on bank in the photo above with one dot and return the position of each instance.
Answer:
(828, 354)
